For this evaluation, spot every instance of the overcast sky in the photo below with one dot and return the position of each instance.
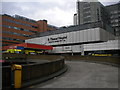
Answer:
(56, 12)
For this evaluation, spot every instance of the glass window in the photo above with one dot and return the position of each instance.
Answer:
(116, 20)
(86, 4)
(13, 33)
(19, 28)
(87, 19)
(19, 23)
(7, 38)
(116, 29)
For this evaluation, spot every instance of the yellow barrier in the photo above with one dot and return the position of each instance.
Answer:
(17, 75)
(101, 55)
(29, 51)
(13, 50)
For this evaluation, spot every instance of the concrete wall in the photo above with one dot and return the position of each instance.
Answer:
(88, 11)
(36, 71)
(82, 36)
(28, 57)
(106, 60)
(109, 45)
(32, 71)
(6, 77)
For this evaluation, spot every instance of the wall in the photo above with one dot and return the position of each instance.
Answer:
(42, 26)
(82, 36)
(14, 29)
(106, 60)
(109, 45)
(30, 71)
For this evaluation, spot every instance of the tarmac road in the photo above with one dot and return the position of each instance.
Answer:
(84, 75)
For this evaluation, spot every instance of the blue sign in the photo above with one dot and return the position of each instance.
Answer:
(19, 47)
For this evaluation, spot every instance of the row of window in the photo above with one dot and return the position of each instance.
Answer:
(86, 4)
(115, 24)
(19, 23)
(13, 33)
(114, 21)
(7, 38)
(86, 14)
(18, 28)
(86, 9)
(87, 19)
(114, 12)
(117, 29)
(24, 18)
(5, 44)
(114, 16)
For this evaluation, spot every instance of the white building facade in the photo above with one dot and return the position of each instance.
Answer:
(79, 41)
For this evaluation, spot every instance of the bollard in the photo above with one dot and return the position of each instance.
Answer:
(17, 75)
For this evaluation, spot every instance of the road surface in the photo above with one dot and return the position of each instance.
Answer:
(84, 75)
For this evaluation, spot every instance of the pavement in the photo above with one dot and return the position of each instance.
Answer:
(84, 75)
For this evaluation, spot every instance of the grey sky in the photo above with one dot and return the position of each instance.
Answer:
(57, 12)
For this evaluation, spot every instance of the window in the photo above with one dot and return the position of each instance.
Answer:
(116, 20)
(24, 18)
(7, 38)
(86, 9)
(87, 4)
(15, 27)
(13, 33)
(85, 14)
(19, 23)
(114, 24)
(19, 28)
(87, 19)
(112, 21)
(98, 14)
(113, 12)
(116, 29)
